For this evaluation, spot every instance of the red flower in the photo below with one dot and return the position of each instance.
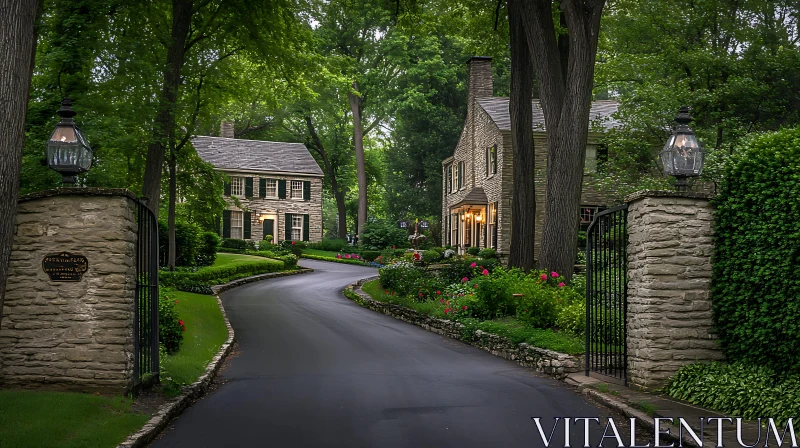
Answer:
(292, 243)
(441, 300)
(446, 310)
(438, 292)
(475, 286)
(180, 322)
(394, 247)
(420, 294)
(465, 307)
(544, 277)
(464, 280)
(386, 292)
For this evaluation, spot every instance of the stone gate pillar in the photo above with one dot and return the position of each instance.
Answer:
(68, 319)
(669, 280)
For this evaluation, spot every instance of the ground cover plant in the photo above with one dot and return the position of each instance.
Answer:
(30, 418)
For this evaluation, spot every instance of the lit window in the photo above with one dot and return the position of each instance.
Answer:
(237, 224)
(272, 188)
(297, 227)
(237, 186)
(297, 189)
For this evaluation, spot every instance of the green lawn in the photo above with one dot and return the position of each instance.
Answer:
(224, 259)
(62, 420)
(205, 334)
(322, 253)
(508, 327)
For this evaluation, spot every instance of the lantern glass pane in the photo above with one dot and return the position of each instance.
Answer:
(64, 134)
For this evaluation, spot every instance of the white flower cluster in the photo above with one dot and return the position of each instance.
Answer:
(449, 253)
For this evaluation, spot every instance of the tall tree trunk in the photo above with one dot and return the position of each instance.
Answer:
(358, 139)
(566, 101)
(330, 171)
(523, 209)
(173, 188)
(17, 50)
(165, 119)
(342, 212)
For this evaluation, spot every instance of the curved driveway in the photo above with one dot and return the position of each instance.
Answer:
(316, 370)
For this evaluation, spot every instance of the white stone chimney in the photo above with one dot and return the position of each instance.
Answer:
(226, 129)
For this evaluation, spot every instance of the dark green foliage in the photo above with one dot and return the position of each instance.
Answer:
(431, 256)
(474, 251)
(739, 390)
(170, 327)
(289, 260)
(494, 296)
(369, 255)
(295, 247)
(330, 244)
(207, 252)
(188, 243)
(218, 275)
(233, 243)
(228, 250)
(487, 253)
(380, 235)
(757, 253)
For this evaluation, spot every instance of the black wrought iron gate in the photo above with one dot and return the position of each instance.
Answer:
(607, 294)
(145, 321)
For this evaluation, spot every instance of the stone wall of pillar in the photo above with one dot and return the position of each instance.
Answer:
(670, 318)
(77, 335)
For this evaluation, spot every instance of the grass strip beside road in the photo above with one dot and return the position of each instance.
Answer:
(30, 418)
(508, 327)
(224, 259)
(205, 333)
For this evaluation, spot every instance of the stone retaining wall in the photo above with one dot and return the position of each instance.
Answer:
(71, 335)
(669, 278)
(552, 363)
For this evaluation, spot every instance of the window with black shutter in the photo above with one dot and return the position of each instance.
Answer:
(226, 223)
(248, 187)
(227, 188)
(282, 188)
(287, 229)
(306, 228)
(262, 187)
(247, 225)
(306, 190)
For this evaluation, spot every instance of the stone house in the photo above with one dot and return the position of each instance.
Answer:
(273, 188)
(478, 178)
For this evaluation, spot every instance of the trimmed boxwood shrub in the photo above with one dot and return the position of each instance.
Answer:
(219, 275)
(207, 251)
(233, 243)
(473, 250)
(487, 253)
(757, 253)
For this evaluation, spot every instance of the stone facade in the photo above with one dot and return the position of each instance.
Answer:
(481, 191)
(278, 208)
(71, 335)
(670, 241)
(552, 363)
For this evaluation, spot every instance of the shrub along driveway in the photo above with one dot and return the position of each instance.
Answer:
(315, 369)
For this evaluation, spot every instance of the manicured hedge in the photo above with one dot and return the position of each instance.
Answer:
(738, 390)
(756, 260)
(218, 275)
(335, 260)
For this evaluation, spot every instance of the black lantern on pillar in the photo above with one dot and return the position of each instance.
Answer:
(68, 153)
(682, 155)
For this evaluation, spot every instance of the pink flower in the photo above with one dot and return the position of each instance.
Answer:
(485, 272)
(346, 255)
(544, 277)
(554, 274)
(473, 264)
(339, 256)
(292, 243)
(464, 280)
(561, 285)
(441, 300)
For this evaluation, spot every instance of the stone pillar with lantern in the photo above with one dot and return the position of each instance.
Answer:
(670, 243)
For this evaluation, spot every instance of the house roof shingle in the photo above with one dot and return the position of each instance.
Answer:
(474, 196)
(256, 155)
(497, 108)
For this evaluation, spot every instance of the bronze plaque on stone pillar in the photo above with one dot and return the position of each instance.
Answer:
(65, 267)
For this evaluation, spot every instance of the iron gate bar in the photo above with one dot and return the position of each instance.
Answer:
(146, 360)
(606, 294)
